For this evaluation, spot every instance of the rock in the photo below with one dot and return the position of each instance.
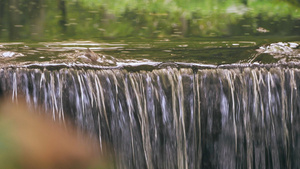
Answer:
(100, 58)
(284, 52)
(9, 54)
(279, 48)
(91, 55)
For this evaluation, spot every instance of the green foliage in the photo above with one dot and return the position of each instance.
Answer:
(205, 7)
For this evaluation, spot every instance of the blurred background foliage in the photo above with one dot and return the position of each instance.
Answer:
(51, 20)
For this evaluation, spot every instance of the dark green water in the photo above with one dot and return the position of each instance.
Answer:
(207, 32)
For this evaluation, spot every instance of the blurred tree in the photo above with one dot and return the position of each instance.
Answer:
(14, 21)
(63, 13)
(295, 2)
(245, 2)
(2, 13)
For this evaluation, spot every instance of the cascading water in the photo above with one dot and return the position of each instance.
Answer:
(172, 118)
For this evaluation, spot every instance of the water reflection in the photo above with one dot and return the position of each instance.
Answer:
(79, 19)
(22, 19)
(63, 12)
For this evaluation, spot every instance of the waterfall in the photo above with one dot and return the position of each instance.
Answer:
(174, 118)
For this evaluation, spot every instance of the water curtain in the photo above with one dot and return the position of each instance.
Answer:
(175, 118)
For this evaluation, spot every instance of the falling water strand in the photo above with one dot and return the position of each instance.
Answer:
(270, 99)
(230, 80)
(256, 91)
(100, 99)
(181, 117)
(60, 81)
(15, 88)
(263, 107)
(34, 90)
(284, 112)
(130, 106)
(52, 95)
(293, 86)
(43, 89)
(175, 120)
(26, 89)
(196, 89)
(81, 92)
(246, 109)
(142, 117)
